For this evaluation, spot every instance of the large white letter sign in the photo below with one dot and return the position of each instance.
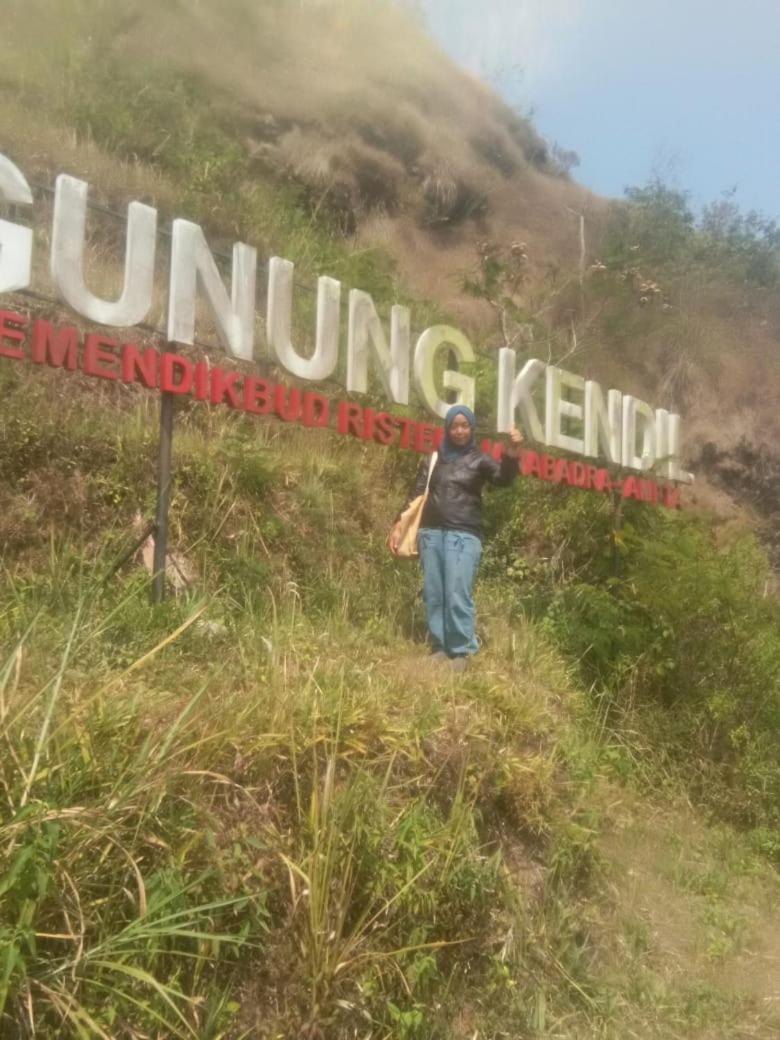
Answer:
(15, 241)
(673, 447)
(67, 257)
(424, 374)
(366, 336)
(322, 363)
(192, 263)
(515, 393)
(603, 423)
(662, 460)
(638, 417)
(557, 408)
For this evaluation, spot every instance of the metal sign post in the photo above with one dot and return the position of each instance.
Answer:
(163, 497)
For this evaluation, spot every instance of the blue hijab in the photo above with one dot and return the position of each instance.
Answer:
(448, 450)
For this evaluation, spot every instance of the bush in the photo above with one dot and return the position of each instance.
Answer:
(656, 228)
(686, 639)
(677, 636)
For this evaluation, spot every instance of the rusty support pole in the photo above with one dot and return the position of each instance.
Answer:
(163, 498)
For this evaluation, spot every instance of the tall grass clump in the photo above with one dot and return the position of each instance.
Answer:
(247, 823)
(112, 905)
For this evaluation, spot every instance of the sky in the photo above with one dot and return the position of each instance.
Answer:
(687, 89)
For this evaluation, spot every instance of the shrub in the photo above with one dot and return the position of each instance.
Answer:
(686, 639)
(656, 227)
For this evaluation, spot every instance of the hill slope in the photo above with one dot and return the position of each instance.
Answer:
(260, 810)
(242, 114)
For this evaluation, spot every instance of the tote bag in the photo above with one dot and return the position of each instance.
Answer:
(411, 517)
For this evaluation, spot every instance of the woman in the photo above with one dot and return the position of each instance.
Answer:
(450, 531)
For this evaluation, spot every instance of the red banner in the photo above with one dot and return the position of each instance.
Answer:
(41, 343)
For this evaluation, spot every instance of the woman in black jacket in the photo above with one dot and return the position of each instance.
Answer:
(450, 531)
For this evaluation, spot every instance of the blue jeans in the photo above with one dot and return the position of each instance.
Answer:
(450, 560)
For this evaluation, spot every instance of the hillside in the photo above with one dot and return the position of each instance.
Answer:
(260, 810)
(291, 126)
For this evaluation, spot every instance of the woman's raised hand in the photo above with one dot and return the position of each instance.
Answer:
(515, 440)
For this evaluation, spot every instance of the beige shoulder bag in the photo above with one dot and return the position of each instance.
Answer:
(411, 517)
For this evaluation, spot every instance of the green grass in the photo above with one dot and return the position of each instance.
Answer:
(258, 809)
(169, 818)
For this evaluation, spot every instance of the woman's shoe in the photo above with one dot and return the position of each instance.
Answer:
(438, 656)
(459, 664)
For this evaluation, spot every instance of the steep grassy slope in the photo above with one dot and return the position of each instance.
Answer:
(348, 102)
(262, 811)
(259, 811)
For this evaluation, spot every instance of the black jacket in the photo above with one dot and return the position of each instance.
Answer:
(455, 493)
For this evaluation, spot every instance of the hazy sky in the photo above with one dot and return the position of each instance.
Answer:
(688, 87)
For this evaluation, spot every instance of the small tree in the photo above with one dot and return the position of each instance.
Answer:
(501, 283)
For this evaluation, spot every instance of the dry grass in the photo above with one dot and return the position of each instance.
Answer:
(311, 94)
(697, 911)
(47, 148)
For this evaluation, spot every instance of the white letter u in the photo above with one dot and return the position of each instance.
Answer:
(67, 258)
